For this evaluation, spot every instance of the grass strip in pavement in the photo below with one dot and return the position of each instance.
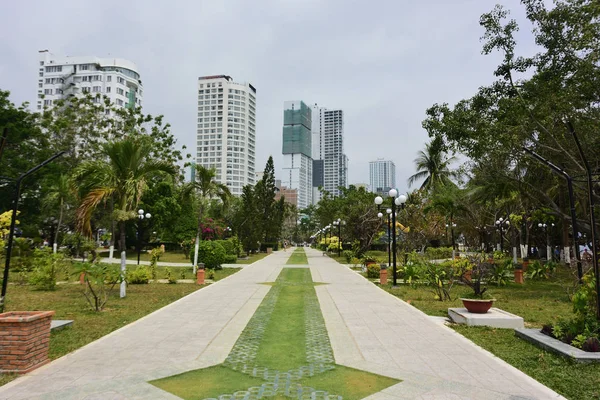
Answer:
(298, 257)
(286, 348)
(282, 347)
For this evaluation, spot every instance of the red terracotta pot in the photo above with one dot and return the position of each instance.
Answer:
(200, 277)
(478, 306)
(519, 276)
(383, 276)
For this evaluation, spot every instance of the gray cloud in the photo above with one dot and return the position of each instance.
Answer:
(382, 62)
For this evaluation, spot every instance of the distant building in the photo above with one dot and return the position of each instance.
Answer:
(382, 176)
(297, 162)
(361, 185)
(290, 195)
(330, 163)
(226, 135)
(60, 77)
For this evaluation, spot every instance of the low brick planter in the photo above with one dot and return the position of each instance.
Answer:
(24, 340)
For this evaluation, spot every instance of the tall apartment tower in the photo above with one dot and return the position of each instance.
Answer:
(297, 149)
(330, 164)
(60, 77)
(382, 176)
(226, 136)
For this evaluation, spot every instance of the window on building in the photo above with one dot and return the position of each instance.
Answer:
(120, 80)
(41, 63)
(108, 89)
(96, 89)
(84, 67)
(40, 84)
(119, 102)
(47, 102)
(120, 91)
(109, 78)
(85, 90)
(54, 68)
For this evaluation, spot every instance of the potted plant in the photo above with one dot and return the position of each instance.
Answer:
(368, 260)
(480, 301)
(519, 272)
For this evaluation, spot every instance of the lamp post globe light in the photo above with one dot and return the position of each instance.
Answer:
(546, 229)
(397, 201)
(339, 222)
(500, 223)
(141, 217)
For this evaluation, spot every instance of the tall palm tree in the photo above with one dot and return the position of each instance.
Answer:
(433, 166)
(206, 188)
(59, 192)
(122, 176)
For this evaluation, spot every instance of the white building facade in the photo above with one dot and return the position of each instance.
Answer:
(382, 176)
(330, 163)
(297, 162)
(60, 77)
(226, 133)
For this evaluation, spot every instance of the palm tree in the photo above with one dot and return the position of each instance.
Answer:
(207, 188)
(433, 166)
(122, 177)
(58, 194)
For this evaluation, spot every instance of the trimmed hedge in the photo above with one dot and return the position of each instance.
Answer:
(274, 245)
(211, 253)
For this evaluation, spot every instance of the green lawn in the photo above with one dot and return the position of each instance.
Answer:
(69, 303)
(298, 257)
(538, 302)
(572, 380)
(281, 347)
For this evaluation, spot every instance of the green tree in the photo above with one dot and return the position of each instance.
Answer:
(121, 174)
(59, 194)
(206, 188)
(433, 166)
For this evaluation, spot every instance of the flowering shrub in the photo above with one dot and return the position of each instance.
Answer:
(211, 253)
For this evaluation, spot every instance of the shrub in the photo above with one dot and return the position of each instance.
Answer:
(264, 246)
(501, 272)
(537, 270)
(592, 344)
(182, 274)
(100, 280)
(410, 272)
(211, 253)
(228, 245)
(78, 245)
(441, 278)
(169, 276)
(373, 271)
(437, 253)
(139, 276)
(348, 255)
(46, 267)
(230, 259)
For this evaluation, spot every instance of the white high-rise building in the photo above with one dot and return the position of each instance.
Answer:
(382, 176)
(60, 77)
(296, 149)
(226, 136)
(330, 163)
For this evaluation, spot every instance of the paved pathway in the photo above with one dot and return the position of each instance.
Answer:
(368, 328)
(374, 331)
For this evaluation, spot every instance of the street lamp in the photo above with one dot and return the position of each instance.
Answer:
(546, 229)
(397, 201)
(339, 224)
(452, 225)
(141, 217)
(500, 222)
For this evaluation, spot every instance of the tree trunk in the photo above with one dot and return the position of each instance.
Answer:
(123, 288)
(198, 236)
(112, 231)
(60, 217)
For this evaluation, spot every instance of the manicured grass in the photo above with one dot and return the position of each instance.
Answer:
(252, 258)
(538, 301)
(169, 256)
(69, 303)
(206, 383)
(298, 257)
(351, 384)
(282, 347)
(572, 380)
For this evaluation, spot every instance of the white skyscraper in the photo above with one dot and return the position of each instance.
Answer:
(382, 176)
(297, 161)
(330, 164)
(226, 136)
(60, 77)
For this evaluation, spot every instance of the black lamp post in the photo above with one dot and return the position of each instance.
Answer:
(500, 223)
(141, 217)
(396, 201)
(339, 224)
(451, 225)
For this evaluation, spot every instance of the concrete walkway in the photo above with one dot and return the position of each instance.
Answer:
(374, 331)
(196, 331)
(368, 328)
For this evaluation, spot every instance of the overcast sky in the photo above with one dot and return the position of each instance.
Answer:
(382, 62)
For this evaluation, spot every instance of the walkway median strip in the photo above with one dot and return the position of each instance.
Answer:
(284, 351)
